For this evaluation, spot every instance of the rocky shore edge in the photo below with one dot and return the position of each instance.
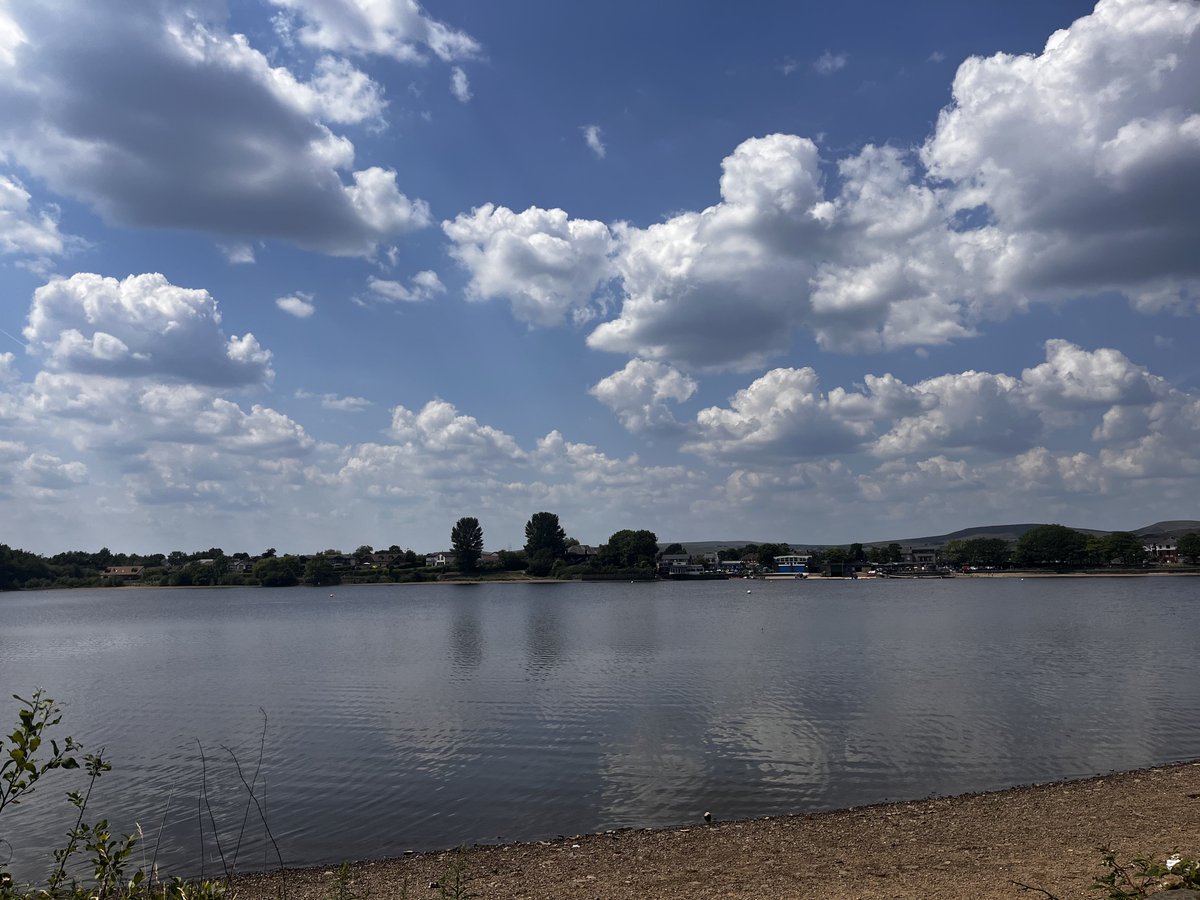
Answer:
(1030, 841)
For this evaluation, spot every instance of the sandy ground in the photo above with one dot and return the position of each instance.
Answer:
(975, 846)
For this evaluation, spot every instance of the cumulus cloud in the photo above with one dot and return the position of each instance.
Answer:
(457, 440)
(546, 264)
(94, 113)
(593, 137)
(140, 326)
(639, 394)
(1085, 156)
(400, 29)
(460, 86)
(782, 416)
(1060, 174)
(298, 305)
(1074, 378)
(718, 288)
(966, 411)
(424, 286)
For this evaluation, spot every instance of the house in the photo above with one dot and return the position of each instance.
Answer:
(123, 572)
(1166, 552)
(731, 566)
(243, 566)
(382, 560)
(580, 553)
(793, 564)
(441, 560)
(923, 556)
(673, 563)
(489, 559)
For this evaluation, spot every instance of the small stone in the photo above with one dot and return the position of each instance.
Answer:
(708, 817)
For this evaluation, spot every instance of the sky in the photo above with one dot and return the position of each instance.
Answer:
(317, 273)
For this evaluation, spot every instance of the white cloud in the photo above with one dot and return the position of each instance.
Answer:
(546, 264)
(94, 113)
(456, 440)
(966, 411)
(424, 286)
(140, 326)
(781, 416)
(828, 63)
(46, 471)
(640, 392)
(336, 402)
(237, 254)
(1073, 378)
(460, 86)
(25, 231)
(298, 305)
(1062, 174)
(1086, 156)
(397, 28)
(592, 136)
(724, 287)
(345, 94)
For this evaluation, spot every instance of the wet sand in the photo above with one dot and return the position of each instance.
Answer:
(972, 846)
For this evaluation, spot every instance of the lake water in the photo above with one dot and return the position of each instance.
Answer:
(421, 717)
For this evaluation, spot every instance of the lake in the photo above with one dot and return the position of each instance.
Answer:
(429, 716)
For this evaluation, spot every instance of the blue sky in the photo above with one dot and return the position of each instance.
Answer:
(318, 273)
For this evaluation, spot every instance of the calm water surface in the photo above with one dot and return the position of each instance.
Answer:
(419, 717)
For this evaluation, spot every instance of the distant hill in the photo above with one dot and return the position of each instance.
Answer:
(1160, 531)
(1172, 529)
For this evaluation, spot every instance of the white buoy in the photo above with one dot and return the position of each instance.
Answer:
(749, 592)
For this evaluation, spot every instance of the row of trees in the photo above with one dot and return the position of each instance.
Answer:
(546, 546)
(546, 553)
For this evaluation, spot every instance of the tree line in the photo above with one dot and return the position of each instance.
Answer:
(546, 552)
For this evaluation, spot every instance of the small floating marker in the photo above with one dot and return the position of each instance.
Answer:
(749, 592)
(708, 818)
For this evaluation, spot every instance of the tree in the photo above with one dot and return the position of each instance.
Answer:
(543, 533)
(1052, 545)
(630, 549)
(674, 550)
(1122, 548)
(277, 571)
(856, 553)
(768, 552)
(319, 571)
(895, 553)
(1189, 546)
(836, 555)
(466, 537)
(541, 563)
(364, 550)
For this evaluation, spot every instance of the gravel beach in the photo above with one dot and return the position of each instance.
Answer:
(971, 846)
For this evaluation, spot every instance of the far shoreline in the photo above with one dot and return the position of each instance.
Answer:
(462, 582)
